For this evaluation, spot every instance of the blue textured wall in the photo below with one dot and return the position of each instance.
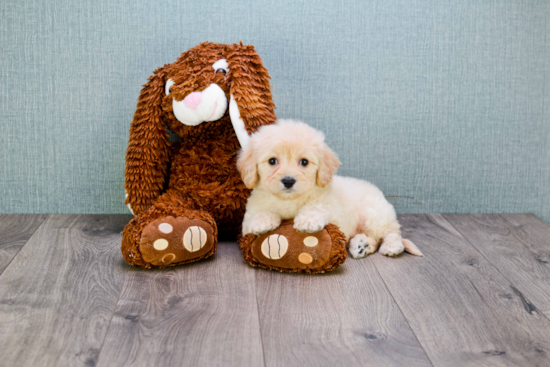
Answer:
(443, 104)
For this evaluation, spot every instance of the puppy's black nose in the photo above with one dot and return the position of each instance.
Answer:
(288, 182)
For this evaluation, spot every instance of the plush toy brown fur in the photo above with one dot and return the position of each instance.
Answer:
(195, 178)
(184, 194)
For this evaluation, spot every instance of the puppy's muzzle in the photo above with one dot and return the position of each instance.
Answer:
(288, 182)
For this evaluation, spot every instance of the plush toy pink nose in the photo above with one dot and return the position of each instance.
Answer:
(193, 100)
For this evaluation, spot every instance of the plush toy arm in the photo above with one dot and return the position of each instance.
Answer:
(147, 154)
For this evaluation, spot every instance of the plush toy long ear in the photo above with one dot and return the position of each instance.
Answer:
(246, 164)
(327, 167)
(147, 154)
(251, 104)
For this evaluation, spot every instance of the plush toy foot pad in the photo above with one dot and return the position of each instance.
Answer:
(173, 241)
(286, 249)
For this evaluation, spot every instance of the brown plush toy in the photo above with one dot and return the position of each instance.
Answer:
(182, 194)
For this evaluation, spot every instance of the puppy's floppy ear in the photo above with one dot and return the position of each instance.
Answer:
(251, 105)
(327, 166)
(246, 164)
(147, 154)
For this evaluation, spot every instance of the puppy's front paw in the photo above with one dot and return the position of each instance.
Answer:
(361, 246)
(262, 223)
(309, 223)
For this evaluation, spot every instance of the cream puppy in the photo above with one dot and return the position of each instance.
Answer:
(291, 170)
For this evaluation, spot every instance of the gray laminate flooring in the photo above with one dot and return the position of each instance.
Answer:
(480, 296)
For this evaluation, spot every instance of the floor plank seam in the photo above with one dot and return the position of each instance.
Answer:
(259, 321)
(402, 313)
(514, 287)
(18, 252)
(111, 320)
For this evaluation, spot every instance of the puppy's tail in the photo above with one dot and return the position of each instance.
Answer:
(411, 247)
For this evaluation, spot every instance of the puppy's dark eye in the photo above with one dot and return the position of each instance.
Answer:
(220, 70)
(272, 161)
(304, 162)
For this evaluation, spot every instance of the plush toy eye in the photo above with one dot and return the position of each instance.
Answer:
(304, 162)
(272, 161)
(221, 66)
(169, 84)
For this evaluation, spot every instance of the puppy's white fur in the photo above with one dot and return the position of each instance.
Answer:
(317, 197)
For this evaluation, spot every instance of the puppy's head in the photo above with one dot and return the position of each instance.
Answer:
(287, 159)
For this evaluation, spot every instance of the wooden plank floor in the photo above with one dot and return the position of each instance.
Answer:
(480, 296)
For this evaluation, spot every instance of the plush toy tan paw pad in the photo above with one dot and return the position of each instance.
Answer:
(170, 240)
(286, 249)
